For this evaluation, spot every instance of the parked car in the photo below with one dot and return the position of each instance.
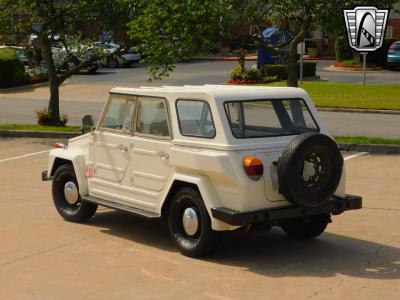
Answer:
(126, 59)
(20, 52)
(393, 57)
(210, 158)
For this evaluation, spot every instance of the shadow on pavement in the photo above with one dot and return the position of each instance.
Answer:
(271, 254)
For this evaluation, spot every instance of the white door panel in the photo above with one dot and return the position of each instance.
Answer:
(150, 163)
(112, 155)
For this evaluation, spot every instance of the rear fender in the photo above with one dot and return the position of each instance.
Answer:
(209, 195)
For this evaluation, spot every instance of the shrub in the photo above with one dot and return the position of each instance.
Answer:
(269, 79)
(351, 63)
(342, 49)
(11, 69)
(379, 57)
(309, 69)
(252, 74)
(275, 70)
(43, 117)
(238, 72)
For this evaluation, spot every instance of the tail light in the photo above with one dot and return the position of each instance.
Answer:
(253, 167)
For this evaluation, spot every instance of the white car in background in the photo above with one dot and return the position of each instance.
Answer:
(113, 61)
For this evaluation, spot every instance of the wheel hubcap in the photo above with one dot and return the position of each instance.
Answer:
(71, 192)
(190, 221)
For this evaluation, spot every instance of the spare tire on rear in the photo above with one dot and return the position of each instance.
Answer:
(310, 169)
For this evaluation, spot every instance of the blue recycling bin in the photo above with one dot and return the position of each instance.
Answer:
(272, 37)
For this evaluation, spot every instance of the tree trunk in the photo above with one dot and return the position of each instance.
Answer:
(54, 101)
(292, 63)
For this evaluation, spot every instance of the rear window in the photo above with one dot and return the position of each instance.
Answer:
(265, 118)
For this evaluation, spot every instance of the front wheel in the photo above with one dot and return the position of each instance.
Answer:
(66, 196)
(306, 228)
(190, 224)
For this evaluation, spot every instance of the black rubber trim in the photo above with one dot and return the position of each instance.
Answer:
(335, 205)
(45, 176)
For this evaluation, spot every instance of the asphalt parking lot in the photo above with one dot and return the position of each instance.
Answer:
(118, 256)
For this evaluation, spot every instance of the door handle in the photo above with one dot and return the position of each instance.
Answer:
(162, 155)
(123, 148)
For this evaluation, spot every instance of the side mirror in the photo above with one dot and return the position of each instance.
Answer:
(87, 123)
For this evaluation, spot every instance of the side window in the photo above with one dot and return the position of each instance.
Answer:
(119, 114)
(195, 118)
(152, 117)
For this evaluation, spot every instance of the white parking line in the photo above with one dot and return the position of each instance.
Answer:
(355, 155)
(22, 156)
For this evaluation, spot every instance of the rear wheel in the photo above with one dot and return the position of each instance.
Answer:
(66, 196)
(306, 228)
(190, 224)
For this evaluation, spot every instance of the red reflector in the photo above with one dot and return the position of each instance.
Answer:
(253, 167)
(89, 171)
(59, 146)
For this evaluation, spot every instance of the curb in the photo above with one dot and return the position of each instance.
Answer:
(25, 87)
(371, 148)
(38, 134)
(352, 70)
(360, 110)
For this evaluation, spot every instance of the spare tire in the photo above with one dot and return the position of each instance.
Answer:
(310, 169)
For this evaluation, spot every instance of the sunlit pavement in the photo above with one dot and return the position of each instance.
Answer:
(119, 256)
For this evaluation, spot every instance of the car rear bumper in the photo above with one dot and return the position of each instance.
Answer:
(335, 206)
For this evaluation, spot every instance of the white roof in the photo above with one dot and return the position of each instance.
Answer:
(218, 92)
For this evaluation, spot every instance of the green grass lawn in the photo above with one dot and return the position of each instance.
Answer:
(352, 95)
(366, 140)
(34, 127)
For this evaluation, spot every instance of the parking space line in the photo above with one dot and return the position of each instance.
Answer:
(22, 156)
(355, 155)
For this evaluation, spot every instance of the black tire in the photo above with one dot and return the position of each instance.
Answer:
(204, 240)
(323, 154)
(78, 212)
(306, 228)
(112, 62)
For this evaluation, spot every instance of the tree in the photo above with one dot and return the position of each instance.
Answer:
(59, 20)
(303, 16)
(173, 31)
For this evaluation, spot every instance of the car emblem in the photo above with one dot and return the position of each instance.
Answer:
(366, 26)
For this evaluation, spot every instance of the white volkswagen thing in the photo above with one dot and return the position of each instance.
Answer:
(209, 158)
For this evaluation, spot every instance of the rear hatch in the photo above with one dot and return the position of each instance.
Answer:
(270, 157)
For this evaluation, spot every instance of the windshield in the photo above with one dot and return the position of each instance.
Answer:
(265, 118)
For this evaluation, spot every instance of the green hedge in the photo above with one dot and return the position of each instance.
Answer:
(280, 71)
(379, 57)
(11, 69)
(342, 49)
(275, 70)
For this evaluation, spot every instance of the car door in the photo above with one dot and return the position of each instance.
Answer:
(151, 144)
(112, 148)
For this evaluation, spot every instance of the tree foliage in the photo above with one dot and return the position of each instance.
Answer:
(173, 31)
(60, 20)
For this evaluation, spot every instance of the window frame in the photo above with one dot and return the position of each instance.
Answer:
(167, 115)
(127, 97)
(227, 116)
(179, 121)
